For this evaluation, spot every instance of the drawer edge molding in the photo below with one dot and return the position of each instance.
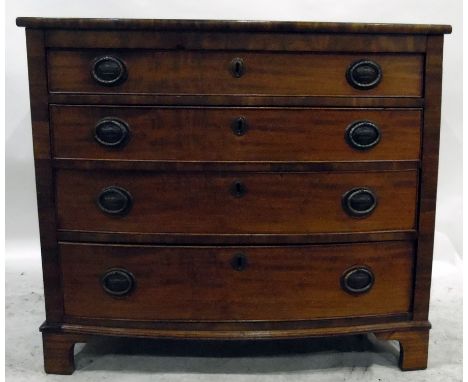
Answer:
(325, 322)
(233, 334)
(169, 166)
(225, 239)
(231, 100)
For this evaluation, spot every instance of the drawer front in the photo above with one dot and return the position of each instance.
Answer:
(206, 283)
(234, 73)
(235, 203)
(235, 134)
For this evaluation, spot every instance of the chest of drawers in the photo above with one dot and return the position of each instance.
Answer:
(232, 180)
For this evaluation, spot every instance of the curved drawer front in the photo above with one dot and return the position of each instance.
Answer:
(235, 203)
(235, 134)
(203, 283)
(234, 73)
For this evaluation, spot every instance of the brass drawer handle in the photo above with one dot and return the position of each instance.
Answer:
(362, 135)
(108, 70)
(111, 132)
(239, 262)
(357, 280)
(118, 282)
(237, 67)
(364, 74)
(115, 200)
(238, 189)
(359, 202)
(239, 126)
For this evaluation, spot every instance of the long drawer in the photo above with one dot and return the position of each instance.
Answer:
(235, 134)
(235, 203)
(234, 73)
(236, 283)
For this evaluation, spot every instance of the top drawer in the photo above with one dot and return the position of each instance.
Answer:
(234, 73)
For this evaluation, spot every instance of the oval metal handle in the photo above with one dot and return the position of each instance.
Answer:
(239, 126)
(238, 189)
(118, 282)
(357, 280)
(108, 70)
(115, 200)
(364, 74)
(239, 262)
(359, 202)
(237, 67)
(111, 132)
(362, 135)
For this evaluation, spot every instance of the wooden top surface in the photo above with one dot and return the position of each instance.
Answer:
(229, 25)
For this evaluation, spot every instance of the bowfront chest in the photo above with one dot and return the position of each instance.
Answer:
(231, 180)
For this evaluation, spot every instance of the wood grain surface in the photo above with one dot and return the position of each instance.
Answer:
(281, 203)
(228, 25)
(206, 134)
(198, 283)
(182, 160)
(201, 72)
(219, 40)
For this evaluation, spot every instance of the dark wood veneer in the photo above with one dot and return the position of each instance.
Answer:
(229, 25)
(284, 42)
(198, 72)
(428, 177)
(206, 134)
(203, 193)
(44, 174)
(232, 100)
(169, 166)
(226, 239)
(279, 203)
(199, 283)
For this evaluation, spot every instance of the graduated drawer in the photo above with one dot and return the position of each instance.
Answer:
(235, 203)
(234, 73)
(234, 134)
(236, 283)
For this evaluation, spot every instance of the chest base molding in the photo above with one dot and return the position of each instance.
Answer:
(59, 339)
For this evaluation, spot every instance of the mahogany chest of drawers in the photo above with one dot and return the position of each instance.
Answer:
(230, 180)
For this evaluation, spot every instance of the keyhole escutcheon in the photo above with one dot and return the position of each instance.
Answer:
(237, 67)
(238, 189)
(239, 262)
(239, 126)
